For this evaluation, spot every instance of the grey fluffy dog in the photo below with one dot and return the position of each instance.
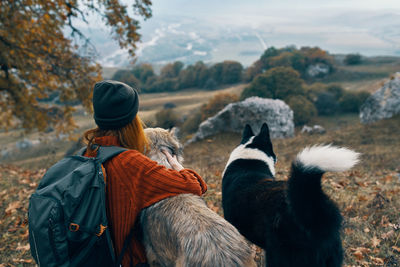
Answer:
(181, 230)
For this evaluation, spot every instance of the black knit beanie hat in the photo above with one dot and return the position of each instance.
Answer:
(115, 104)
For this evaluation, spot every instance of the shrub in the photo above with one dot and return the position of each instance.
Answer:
(191, 123)
(303, 109)
(326, 104)
(352, 59)
(167, 118)
(352, 101)
(313, 91)
(280, 82)
(217, 103)
(336, 90)
(258, 87)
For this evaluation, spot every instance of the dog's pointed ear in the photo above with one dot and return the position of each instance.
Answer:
(173, 132)
(247, 133)
(264, 132)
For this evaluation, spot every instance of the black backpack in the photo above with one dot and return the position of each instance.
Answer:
(67, 214)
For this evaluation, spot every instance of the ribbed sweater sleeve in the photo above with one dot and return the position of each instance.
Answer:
(156, 182)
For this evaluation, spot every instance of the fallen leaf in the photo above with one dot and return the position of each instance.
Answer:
(13, 206)
(375, 241)
(348, 231)
(377, 261)
(20, 247)
(23, 260)
(212, 185)
(348, 208)
(397, 249)
(387, 235)
(358, 254)
(362, 198)
(24, 181)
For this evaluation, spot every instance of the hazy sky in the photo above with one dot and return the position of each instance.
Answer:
(221, 7)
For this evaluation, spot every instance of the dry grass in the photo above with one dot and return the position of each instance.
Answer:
(185, 101)
(368, 196)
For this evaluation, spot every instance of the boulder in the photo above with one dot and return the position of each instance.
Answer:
(253, 111)
(316, 129)
(318, 70)
(384, 103)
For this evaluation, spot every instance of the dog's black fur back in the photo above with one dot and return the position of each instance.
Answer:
(294, 221)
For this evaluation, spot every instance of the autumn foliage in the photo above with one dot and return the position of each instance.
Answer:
(36, 58)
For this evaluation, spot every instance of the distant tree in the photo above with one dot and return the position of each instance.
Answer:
(187, 78)
(143, 72)
(251, 72)
(194, 76)
(126, 76)
(315, 55)
(258, 87)
(38, 57)
(352, 59)
(210, 84)
(280, 82)
(231, 72)
(267, 55)
(290, 56)
(216, 71)
(164, 85)
(303, 109)
(171, 70)
(202, 74)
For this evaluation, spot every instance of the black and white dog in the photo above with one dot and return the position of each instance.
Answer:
(294, 221)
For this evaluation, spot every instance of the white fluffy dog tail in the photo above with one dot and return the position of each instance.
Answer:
(328, 158)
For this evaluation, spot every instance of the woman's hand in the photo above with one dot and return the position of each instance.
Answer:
(172, 160)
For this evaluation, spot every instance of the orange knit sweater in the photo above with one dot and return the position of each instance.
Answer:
(135, 182)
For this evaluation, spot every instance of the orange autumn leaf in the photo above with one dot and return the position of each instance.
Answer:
(375, 241)
(39, 57)
(377, 261)
(13, 206)
(358, 254)
(21, 247)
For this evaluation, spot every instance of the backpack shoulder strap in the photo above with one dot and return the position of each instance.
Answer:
(106, 152)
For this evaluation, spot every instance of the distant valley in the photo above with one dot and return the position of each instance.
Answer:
(189, 39)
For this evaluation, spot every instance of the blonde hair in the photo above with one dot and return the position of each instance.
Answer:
(130, 136)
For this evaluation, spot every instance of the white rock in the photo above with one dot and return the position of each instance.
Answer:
(253, 111)
(384, 103)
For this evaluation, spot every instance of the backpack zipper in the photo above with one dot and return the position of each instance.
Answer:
(36, 252)
(52, 241)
